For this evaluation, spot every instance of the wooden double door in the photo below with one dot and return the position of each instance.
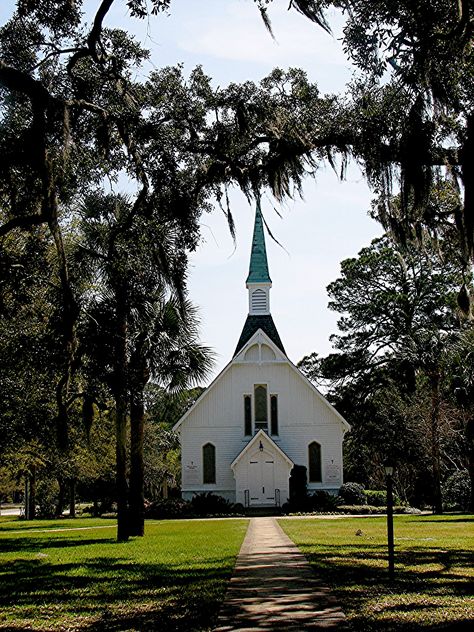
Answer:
(261, 469)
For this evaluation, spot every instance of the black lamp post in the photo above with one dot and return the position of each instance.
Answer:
(391, 554)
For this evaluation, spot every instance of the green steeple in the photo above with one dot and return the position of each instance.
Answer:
(258, 271)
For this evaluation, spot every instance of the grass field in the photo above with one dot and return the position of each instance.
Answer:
(70, 575)
(434, 585)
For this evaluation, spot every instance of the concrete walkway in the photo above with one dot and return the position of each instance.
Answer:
(274, 587)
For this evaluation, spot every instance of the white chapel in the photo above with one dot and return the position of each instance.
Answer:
(261, 415)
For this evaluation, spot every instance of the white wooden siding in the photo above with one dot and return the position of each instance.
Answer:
(303, 417)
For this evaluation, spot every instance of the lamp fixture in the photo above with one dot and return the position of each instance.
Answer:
(260, 447)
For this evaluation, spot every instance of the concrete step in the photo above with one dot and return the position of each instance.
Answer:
(262, 511)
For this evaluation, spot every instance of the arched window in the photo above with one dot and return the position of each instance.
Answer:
(261, 407)
(208, 463)
(314, 462)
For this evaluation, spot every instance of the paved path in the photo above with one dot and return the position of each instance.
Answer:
(274, 587)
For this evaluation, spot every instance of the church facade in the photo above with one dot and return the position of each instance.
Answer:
(261, 415)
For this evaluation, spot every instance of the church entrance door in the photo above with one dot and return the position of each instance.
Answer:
(262, 478)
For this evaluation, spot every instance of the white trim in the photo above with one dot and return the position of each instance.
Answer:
(238, 359)
(202, 396)
(258, 436)
(259, 337)
(321, 396)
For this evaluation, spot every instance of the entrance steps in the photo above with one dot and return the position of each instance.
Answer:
(254, 512)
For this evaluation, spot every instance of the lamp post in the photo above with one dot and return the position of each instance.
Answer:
(391, 554)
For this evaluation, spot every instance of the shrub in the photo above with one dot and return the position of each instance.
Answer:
(457, 491)
(352, 494)
(47, 492)
(208, 503)
(168, 508)
(370, 509)
(378, 498)
(298, 485)
(323, 501)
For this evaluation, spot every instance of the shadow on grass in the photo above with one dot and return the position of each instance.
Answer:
(23, 544)
(108, 594)
(437, 519)
(21, 526)
(364, 588)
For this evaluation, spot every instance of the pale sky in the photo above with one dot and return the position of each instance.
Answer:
(228, 38)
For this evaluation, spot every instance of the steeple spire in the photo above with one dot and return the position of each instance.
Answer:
(259, 284)
(258, 270)
(258, 280)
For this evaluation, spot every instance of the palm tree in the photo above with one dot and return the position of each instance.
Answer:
(137, 324)
(165, 349)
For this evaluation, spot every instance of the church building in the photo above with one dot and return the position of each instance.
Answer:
(261, 415)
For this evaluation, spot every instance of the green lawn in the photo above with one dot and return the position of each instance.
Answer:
(434, 569)
(71, 579)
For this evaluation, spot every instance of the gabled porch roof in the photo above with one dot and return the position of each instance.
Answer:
(258, 437)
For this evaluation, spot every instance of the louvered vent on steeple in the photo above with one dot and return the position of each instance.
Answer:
(259, 301)
(258, 280)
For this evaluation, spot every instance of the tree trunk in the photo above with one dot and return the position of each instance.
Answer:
(61, 497)
(435, 450)
(72, 498)
(121, 417)
(138, 379)
(32, 494)
(137, 498)
(121, 474)
(469, 432)
(27, 495)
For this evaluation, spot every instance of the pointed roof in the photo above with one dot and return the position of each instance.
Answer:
(258, 271)
(261, 434)
(253, 324)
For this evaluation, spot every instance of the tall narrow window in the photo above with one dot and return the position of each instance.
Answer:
(208, 463)
(274, 414)
(314, 460)
(261, 407)
(248, 414)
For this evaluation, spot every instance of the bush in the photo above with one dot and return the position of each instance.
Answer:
(457, 491)
(208, 503)
(323, 501)
(298, 485)
(168, 508)
(47, 491)
(370, 509)
(352, 494)
(378, 498)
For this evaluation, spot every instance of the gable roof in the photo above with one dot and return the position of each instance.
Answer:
(260, 434)
(286, 360)
(258, 271)
(252, 325)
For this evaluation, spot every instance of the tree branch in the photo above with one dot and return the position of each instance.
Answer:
(24, 222)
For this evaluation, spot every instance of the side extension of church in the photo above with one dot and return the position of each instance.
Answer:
(261, 415)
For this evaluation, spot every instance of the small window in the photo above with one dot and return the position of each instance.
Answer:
(248, 414)
(261, 407)
(274, 414)
(208, 463)
(314, 460)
